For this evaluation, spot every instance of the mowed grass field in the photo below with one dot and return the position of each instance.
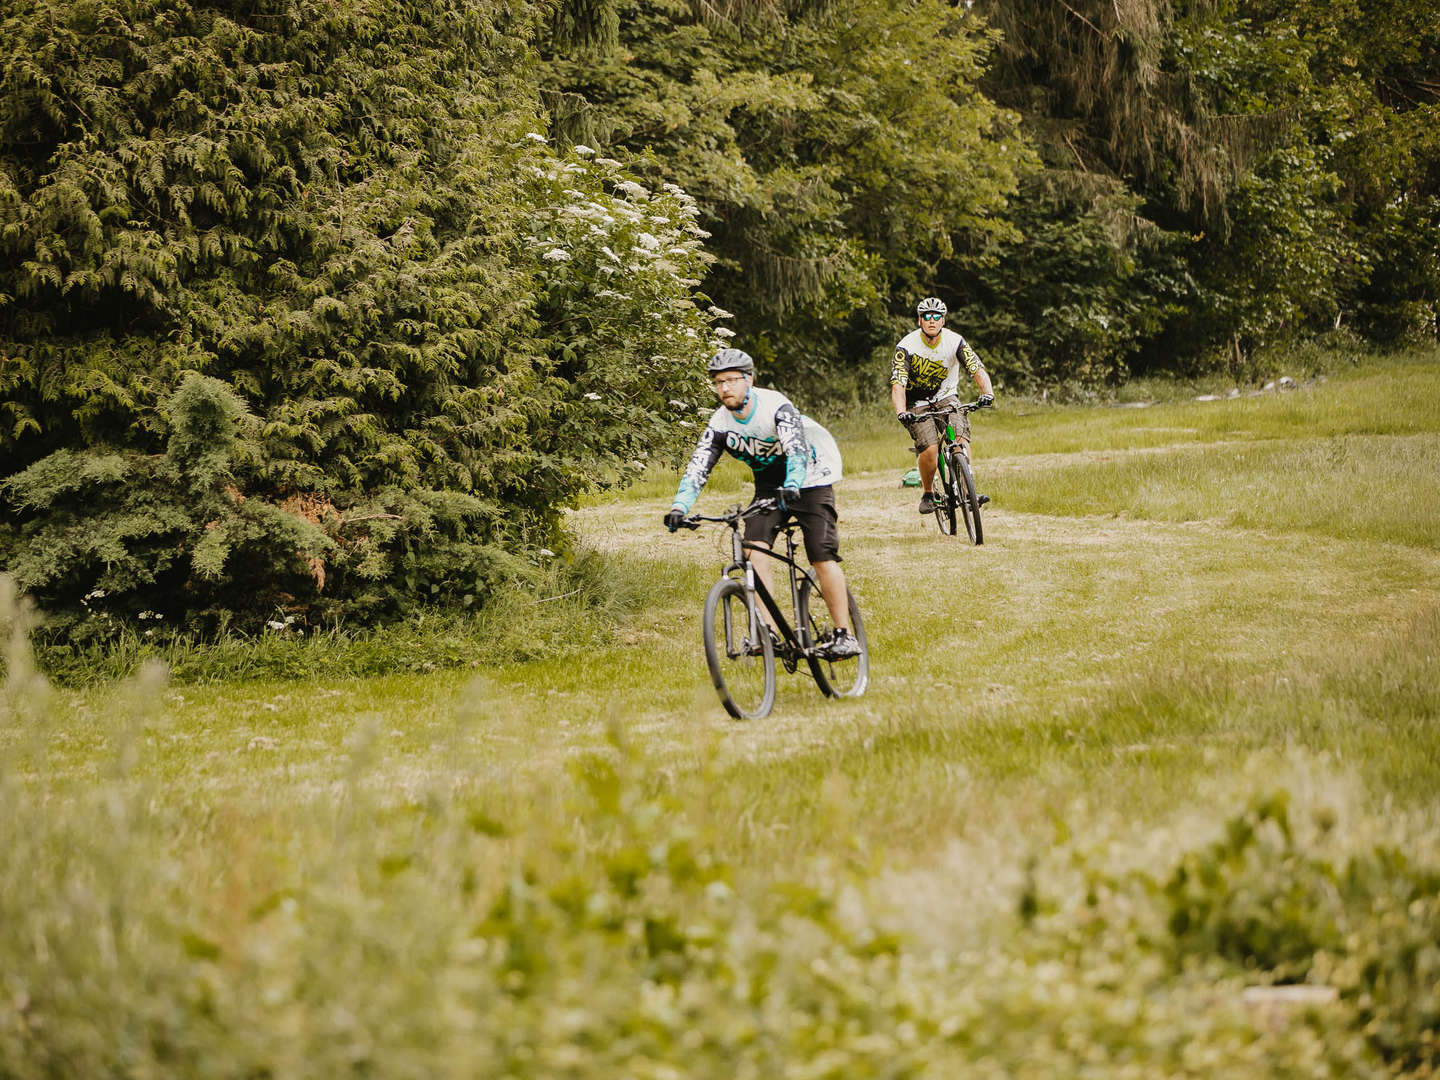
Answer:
(1168, 736)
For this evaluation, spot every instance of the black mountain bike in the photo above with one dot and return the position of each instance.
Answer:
(957, 496)
(740, 648)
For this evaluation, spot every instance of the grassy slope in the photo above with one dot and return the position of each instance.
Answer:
(1144, 609)
(1177, 606)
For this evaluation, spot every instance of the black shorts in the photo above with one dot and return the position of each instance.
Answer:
(819, 522)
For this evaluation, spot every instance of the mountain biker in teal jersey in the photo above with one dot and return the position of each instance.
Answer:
(927, 366)
(764, 430)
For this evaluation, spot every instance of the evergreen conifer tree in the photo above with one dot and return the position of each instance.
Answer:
(285, 315)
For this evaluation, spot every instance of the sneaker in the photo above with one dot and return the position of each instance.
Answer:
(842, 646)
(927, 503)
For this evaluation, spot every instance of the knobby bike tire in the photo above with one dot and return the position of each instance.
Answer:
(945, 506)
(969, 500)
(836, 678)
(745, 682)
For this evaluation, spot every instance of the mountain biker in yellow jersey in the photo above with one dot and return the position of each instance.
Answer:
(765, 431)
(927, 367)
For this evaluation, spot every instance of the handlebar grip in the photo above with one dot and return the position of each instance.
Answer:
(689, 523)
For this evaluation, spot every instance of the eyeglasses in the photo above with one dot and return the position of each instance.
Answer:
(932, 316)
(721, 384)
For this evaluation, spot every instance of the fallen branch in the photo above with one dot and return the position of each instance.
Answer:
(370, 517)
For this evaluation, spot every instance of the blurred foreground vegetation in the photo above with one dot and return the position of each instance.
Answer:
(333, 308)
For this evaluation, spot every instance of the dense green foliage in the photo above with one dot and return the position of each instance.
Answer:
(1210, 179)
(299, 313)
(1212, 141)
(835, 150)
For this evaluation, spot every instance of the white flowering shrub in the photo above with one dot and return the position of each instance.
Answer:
(617, 265)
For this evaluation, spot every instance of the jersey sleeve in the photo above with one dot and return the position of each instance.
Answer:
(970, 358)
(900, 368)
(790, 430)
(707, 453)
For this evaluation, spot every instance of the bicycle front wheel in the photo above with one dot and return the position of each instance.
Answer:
(969, 501)
(741, 658)
(836, 678)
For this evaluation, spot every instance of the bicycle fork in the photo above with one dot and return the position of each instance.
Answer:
(943, 458)
(951, 440)
(756, 625)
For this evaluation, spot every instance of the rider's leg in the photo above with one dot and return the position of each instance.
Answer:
(832, 588)
(961, 422)
(926, 461)
(819, 524)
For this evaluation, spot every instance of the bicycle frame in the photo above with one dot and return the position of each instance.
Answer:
(947, 405)
(739, 594)
(794, 640)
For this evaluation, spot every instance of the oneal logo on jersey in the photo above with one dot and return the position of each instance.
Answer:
(750, 446)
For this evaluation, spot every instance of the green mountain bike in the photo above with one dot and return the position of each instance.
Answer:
(956, 501)
(741, 650)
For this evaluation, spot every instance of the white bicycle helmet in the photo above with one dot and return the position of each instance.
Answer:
(931, 305)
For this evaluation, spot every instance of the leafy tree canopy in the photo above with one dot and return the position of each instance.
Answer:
(835, 151)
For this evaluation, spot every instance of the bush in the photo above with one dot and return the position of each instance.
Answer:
(1370, 928)
(567, 607)
(299, 309)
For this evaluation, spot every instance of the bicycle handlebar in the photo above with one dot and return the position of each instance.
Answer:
(733, 515)
(945, 404)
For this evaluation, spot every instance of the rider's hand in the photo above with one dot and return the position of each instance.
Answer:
(674, 518)
(984, 401)
(789, 496)
(906, 417)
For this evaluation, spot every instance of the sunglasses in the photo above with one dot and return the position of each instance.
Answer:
(932, 318)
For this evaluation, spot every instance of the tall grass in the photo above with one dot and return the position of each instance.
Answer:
(604, 932)
(572, 607)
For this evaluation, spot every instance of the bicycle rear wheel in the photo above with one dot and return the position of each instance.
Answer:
(946, 498)
(742, 663)
(836, 678)
(969, 501)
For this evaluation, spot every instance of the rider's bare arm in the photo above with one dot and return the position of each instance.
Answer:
(976, 369)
